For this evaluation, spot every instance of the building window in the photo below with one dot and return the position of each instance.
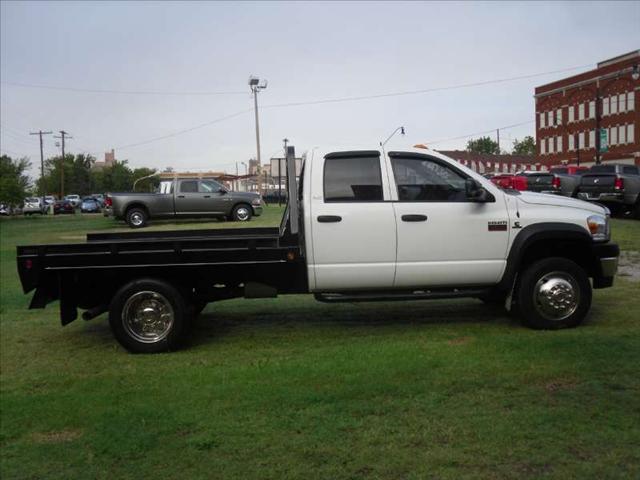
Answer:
(581, 111)
(631, 97)
(592, 109)
(592, 139)
(551, 142)
(559, 116)
(559, 144)
(614, 135)
(542, 118)
(543, 146)
(581, 141)
(550, 118)
(571, 113)
(605, 106)
(622, 102)
(571, 143)
(614, 104)
(630, 137)
(622, 134)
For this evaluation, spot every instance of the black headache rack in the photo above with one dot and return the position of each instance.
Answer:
(265, 261)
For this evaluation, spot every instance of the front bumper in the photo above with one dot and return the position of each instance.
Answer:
(257, 210)
(606, 257)
(610, 197)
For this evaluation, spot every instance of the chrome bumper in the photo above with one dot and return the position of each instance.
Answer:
(609, 266)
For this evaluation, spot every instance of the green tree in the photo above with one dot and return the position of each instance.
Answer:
(14, 182)
(118, 177)
(525, 147)
(148, 184)
(78, 177)
(483, 145)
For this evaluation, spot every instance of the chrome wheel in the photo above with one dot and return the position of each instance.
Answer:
(136, 219)
(556, 296)
(243, 214)
(148, 317)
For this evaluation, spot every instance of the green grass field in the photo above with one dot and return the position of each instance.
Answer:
(291, 388)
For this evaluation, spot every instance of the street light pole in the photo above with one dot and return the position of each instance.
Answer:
(255, 85)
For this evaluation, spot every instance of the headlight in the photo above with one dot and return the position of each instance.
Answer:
(599, 227)
(256, 201)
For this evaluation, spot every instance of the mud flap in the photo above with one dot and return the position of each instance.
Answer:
(68, 302)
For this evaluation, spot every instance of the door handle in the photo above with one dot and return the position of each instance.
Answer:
(414, 218)
(180, 196)
(329, 218)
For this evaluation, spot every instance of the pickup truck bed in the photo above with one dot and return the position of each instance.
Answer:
(88, 270)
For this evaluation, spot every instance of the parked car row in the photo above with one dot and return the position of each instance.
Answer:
(617, 186)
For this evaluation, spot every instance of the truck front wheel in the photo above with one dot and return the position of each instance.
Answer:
(553, 293)
(136, 217)
(149, 316)
(241, 213)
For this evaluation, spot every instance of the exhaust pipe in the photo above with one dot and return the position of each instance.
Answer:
(94, 312)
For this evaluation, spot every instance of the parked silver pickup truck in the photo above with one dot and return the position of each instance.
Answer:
(186, 198)
(615, 185)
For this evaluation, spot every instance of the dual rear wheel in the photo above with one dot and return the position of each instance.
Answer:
(150, 316)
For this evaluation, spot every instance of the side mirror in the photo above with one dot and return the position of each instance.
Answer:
(475, 192)
(223, 191)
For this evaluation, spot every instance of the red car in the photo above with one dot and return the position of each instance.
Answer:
(510, 181)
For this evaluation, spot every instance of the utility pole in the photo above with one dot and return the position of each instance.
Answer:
(498, 135)
(236, 182)
(285, 141)
(597, 112)
(62, 136)
(42, 189)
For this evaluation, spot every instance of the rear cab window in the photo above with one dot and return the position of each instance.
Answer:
(352, 179)
(189, 186)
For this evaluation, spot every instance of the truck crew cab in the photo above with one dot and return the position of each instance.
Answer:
(361, 225)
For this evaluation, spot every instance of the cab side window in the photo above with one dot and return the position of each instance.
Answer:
(425, 180)
(209, 186)
(189, 186)
(354, 179)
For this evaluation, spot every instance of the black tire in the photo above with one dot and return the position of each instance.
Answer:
(147, 294)
(137, 217)
(636, 209)
(242, 213)
(564, 281)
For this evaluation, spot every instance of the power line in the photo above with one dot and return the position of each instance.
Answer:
(435, 142)
(117, 92)
(425, 90)
(180, 132)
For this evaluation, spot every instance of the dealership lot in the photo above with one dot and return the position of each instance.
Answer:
(289, 387)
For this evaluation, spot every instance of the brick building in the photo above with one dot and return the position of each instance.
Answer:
(591, 117)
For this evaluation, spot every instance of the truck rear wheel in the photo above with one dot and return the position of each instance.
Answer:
(241, 213)
(149, 316)
(136, 217)
(553, 293)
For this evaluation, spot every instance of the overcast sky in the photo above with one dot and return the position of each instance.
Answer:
(307, 51)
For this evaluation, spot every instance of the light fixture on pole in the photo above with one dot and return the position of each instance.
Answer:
(635, 73)
(255, 84)
(401, 129)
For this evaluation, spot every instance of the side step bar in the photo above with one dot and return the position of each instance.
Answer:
(389, 296)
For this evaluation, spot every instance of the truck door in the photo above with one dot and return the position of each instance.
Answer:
(353, 229)
(188, 199)
(215, 199)
(443, 238)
